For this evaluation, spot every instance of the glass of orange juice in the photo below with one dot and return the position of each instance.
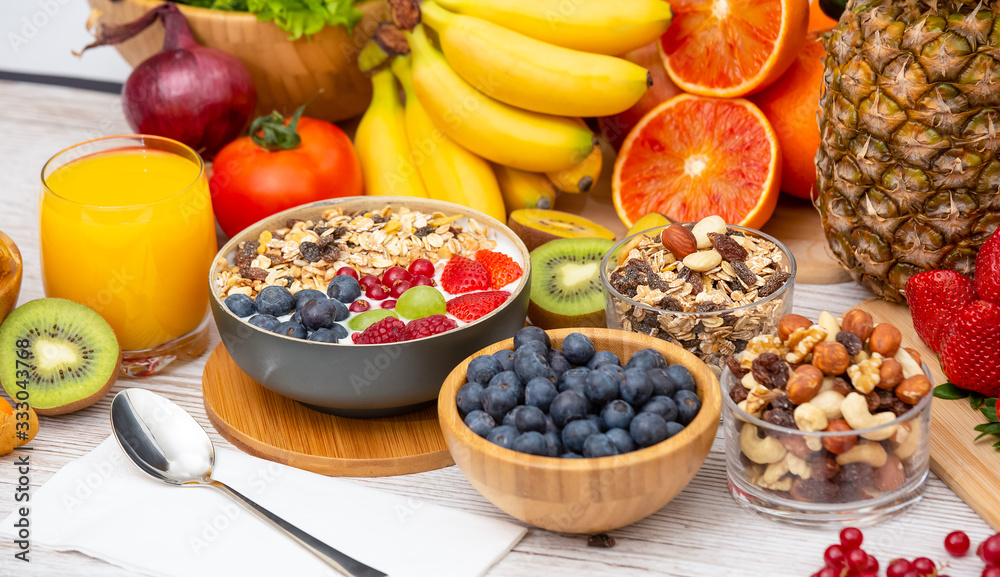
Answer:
(127, 229)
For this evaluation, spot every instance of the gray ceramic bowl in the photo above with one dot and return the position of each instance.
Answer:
(363, 380)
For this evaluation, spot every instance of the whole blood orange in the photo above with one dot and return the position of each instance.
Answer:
(791, 105)
(730, 48)
(818, 20)
(693, 157)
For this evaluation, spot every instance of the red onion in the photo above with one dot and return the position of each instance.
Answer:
(200, 96)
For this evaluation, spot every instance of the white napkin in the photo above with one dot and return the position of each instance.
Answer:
(103, 506)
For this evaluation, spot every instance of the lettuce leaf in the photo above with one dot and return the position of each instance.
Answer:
(297, 17)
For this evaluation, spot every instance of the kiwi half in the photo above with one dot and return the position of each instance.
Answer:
(566, 283)
(537, 226)
(63, 355)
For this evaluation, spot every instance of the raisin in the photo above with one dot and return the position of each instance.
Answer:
(732, 232)
(823, 467)
(454, 231)
(730, 250)
(734, 367)
(310, 251)
(782, 402)
(873, 400)
(602, 540)
(340, 231)
(746, 276)
(707, 308)
(740, 344)
(330, 253)
(275, 257)
(254, 273)
(246, 252)
(738, 393)
(289, 223)
(769, 370)
(814, 491)
(773, 284)
(319, 230)
(695, 279)
(424, 231)
(851, 342)
(379, 219)
(885, 399)
(669, 303)
(842, 386)
(325, 241)
(858, 475)
(898, 407)
(633, 274)
(780, 418)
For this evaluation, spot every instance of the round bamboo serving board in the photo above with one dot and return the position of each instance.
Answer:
(267, 425)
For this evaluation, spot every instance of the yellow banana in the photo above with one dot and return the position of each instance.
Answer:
(496, 131)
(598, 26)
(449, 171)
(522, 189)
(532, 74)
(581, 176)
(382, 146)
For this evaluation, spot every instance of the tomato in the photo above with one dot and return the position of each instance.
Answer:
(256, 176)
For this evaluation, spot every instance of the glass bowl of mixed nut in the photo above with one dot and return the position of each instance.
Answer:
(827, 422)
(707, 287)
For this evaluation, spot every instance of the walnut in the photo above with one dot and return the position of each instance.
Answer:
(761, 344)
(801, 342)
(865, 375)
(758, 398)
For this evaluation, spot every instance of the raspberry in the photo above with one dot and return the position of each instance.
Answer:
(427, 326)
(503, 270)
(471, 307)
(387, 330)
(462, 275)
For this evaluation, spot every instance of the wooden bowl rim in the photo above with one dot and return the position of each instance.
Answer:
(210, 13)
(707, 419)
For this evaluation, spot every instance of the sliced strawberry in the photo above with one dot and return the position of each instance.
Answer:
(970, 349)
(476, 305)
(935, 297)
(988, 269)
(503, 270)
(427, 326)
(462, 275)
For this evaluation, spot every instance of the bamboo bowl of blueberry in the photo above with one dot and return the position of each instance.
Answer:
(580, 430)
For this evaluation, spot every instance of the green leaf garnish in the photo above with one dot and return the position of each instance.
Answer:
(950, 392)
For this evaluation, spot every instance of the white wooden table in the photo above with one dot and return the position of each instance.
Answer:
(701, 532)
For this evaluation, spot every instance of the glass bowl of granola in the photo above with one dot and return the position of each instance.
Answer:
(827, 422)
(710, 288)
(358, 348)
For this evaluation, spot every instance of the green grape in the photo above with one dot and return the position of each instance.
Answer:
(421, 301)
(368, 318)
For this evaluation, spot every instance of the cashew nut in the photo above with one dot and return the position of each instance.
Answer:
(797, 466)
(908, 444)
(829, 323)
(861, 357)
(764, 451)
(855, 410)
(748, 381)
(743, 407)
(774, 477)
(815, 444)
(829, 402)
(809, 418)
(910, 366)
(871, 453)
(827, 384)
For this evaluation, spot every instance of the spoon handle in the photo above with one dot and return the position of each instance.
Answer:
(339, 561)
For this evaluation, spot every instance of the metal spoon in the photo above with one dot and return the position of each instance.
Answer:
(166, 443)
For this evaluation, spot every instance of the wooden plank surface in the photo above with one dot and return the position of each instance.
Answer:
(700, 533)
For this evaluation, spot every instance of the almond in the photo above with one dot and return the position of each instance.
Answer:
(703, 260)
(890, 476)
(713, 223)
(679, 241)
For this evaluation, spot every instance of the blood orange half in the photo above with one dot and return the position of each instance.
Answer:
(729, 48)
(693, 157)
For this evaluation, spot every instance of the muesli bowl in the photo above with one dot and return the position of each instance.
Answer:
(364, 380)
(712, 332)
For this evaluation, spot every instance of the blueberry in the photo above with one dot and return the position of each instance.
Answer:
(663, 385)
(534, 347)
(318, 314)
(617, 414)
(482, 369)
(468, 398)
(603, 358)
(596, 419)
(553, 444)
(296, 317)
(575, 434)
(508, 419)
(290, 329)
(688, 405)
(274, 300)
(529, 365)
(509, 380)
(599, 445)
(662, 406)
(550, 425)
(480, 422)
(342, 311)
(241, 305)
(571, 456)
(306, 295)
(323, 336)
(682, 377)
(575, 379)
(558, 362)
(539, 392)
(506, 358)
(340, 330)
(648, 429)
(503, 436)
(646, 359)
(531, 443)
(601, 387)
(568, 406)
(578, 348)
(266, 322)
(621, 439)
(673, 427)
(531, 334)
(614, 371)
(636, 388)
(344, 288)
(497, 401)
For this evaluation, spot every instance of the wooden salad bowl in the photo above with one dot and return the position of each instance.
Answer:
(287, 74)
(10, 275)
(585, 495)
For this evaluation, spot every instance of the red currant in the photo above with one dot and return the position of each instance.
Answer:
(369, 280)
(991, 571)
(924, 566)
(856, 559)
(828, 572)
(422, 267)
(872, 564)
(348, 271)
(990, 550)
(421, 280)
(377, 292)
(851, 538)
(394, 274)
(834, 557)
(360, 306)
(389, 304)
(898, 568)
(399, 288)
(957, 543)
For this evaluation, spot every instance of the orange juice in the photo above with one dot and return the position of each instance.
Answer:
(130, 233)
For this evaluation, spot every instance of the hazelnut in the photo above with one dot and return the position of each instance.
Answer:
(890, 476)
(858, 322)
(831, 357)
(914, 354)
(885, 340)
(796, 445)
(842, 443)
(890, 374)
(679, 241)
(804, 384)
(911, 390)
(789, 323)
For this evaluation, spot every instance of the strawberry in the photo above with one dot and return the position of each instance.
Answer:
(427, 326)
(473, 306)
(462, 275)
(988, 269)
(387, 330)
(935, 296)
(503, 270)
(970, 354)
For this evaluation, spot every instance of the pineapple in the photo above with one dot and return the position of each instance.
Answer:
(908, 168)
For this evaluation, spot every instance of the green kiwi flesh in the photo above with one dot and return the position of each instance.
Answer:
(59, 353)
(566, 283)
